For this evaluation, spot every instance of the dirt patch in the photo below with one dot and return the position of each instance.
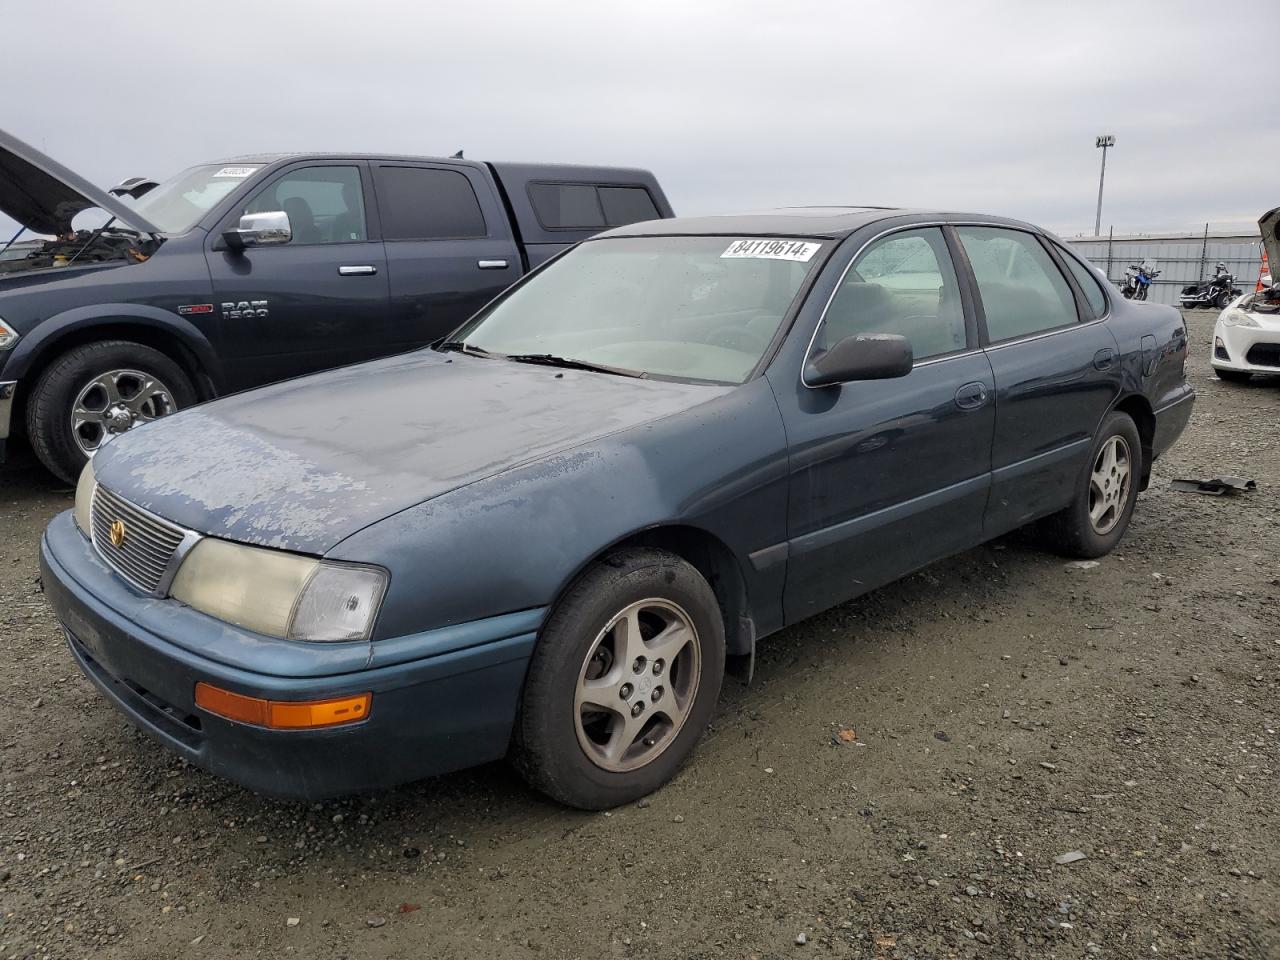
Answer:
(1005, 710)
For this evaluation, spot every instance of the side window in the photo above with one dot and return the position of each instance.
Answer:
(423, 203)
(1021, 288)
(904, 284)
(1088, 282)
(623, 205)
(324, 204)
(561, 206)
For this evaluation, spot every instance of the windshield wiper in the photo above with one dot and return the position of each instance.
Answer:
(551, 360)
(461, 346)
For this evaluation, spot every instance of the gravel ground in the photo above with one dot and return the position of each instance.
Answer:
(902, 779)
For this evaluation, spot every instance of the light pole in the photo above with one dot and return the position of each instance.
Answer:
(1104, 141)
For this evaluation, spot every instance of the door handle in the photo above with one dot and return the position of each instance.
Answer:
(971, 396)
(358, 270)
(491, 264)
(1102, 359)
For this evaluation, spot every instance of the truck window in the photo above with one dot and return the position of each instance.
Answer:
(421, 203)
(566, 206)
(623, 205)
(589, 206)
(324, 204)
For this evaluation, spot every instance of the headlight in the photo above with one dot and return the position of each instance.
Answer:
(280, 594)
(84, 499)
(8, 336)
(1235, 317)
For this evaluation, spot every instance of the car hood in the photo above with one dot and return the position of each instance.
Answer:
(303, 465)
(1269, 224)
(44, 196)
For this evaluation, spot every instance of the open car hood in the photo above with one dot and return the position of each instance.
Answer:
(44, 196)
(1269, 224)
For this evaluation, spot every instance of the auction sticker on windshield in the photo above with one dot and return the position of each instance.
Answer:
(801, 250)
(238, 173)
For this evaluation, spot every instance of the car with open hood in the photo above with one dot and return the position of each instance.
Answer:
(551, 535)
(1246, 337)
(148, 298)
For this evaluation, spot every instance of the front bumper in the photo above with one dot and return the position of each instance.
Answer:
(1256, 349)
(442, 700)
(8, 388)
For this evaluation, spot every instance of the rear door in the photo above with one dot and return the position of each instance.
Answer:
(315, 302)
(449, 246)
(1056, 368)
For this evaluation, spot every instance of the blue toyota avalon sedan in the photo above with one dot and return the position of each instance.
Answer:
(550, 535)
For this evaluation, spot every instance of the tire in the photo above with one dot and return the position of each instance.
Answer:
(1072, 532)
(1224, 300)
(1234, 376)
(68, 384)
(593, 758)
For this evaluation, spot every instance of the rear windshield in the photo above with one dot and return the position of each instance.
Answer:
(695, 308)
(180, 202)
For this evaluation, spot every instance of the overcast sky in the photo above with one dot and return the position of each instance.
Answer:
(734, 104)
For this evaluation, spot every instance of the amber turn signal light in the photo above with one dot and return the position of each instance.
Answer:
(283, 714)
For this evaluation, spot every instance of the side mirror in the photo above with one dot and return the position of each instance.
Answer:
(875, 357)
(260, 230)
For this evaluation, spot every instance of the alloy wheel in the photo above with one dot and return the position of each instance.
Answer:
(1109, 485)
(637, 685)
(115, 402)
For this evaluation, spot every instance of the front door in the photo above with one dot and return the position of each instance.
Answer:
(319, 300)
(889, 475)
(1057, 372)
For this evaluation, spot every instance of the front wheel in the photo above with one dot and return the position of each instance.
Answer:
(623, 681)
(1099, 514)
(1224, 300)
(95, 392)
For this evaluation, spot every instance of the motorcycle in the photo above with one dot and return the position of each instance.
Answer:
(1218, 291)
(1138, 279)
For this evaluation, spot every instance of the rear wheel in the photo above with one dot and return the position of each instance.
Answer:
(93, 393)
(623, 681)
(1234, 376)
(1099, 515)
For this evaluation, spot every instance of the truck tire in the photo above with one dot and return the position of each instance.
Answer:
(93, 393)
(623, 681)
(1108, 489)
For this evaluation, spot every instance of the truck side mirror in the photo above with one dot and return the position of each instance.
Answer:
(259, 230)
(876, 357)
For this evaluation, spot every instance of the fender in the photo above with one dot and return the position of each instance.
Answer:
(33, 345)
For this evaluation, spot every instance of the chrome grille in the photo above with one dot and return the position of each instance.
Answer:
(149, 544)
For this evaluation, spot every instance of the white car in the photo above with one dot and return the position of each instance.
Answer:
(1246, 338)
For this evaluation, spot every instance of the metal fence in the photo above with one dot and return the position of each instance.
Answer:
(1181, 258)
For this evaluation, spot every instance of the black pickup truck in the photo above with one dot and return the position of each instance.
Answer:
(246, 271)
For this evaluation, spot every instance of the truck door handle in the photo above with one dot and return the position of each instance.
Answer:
(357, 270)
(491, 264)
(971, 396)
(1102, 359)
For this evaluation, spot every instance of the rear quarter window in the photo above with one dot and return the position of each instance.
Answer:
(1087, 281)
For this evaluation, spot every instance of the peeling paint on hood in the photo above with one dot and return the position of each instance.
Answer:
(304, 464)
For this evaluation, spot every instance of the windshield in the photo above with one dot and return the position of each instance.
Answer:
(176, 205)
(696, 308)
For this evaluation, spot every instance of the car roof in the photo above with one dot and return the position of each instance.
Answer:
(832, 221)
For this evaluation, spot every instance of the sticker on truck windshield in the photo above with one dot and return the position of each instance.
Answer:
(236, 173)
(800, 250)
